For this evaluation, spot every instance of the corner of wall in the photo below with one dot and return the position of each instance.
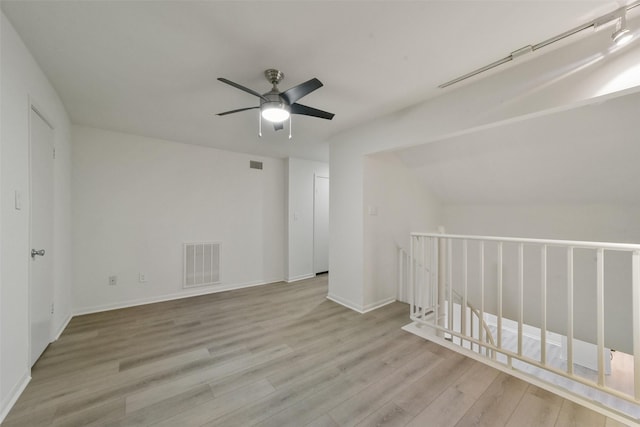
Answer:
(395, 203)
(23, 82)
(345, 302)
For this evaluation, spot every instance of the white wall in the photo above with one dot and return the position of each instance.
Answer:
(137, 200)
(498, 97)
(395, 204)
(300, 202)
(600, 222)
(22, 80)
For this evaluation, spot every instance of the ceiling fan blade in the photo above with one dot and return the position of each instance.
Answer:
(309, 111)
(278, 126)
(293, 94)
(236, 111)
(239, 86)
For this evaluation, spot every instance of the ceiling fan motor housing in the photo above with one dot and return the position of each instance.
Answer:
(274, 76)
(274, 101)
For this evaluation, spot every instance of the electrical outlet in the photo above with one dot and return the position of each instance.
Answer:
(142, 277)
(113, 280)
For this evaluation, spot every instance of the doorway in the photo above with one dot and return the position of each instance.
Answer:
(321, 224)
(41, 153)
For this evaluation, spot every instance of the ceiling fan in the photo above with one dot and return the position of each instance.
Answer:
(276, 106)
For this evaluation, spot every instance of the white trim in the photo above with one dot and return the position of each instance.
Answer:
(29, 233)
(359, 308)
(40, 114)
(300, 277)
(212, 290)
(314, 190)
(376, 305)
(576, 244)
(62, 328)
(346, 303)
(14, 394)
(427, 333)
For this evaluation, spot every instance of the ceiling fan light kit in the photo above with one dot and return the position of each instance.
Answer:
(275, 106)
(275, 114)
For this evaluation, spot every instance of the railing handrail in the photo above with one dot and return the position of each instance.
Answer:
(435, 253)
(577, 244)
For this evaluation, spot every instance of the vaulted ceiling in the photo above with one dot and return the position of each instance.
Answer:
(150, 67)
(586, 155)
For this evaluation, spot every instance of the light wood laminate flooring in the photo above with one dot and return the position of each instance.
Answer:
(273, 355)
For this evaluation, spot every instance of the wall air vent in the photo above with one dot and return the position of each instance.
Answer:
(253, 164)
(201, 264)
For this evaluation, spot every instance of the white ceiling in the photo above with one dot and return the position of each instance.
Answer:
(150, 67)
(582, 156)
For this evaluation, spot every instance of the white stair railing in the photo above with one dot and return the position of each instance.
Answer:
(484, 332)
(404, 264)
(447, 271)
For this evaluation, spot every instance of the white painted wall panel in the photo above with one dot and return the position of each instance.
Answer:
(395, 204)
(137, 200)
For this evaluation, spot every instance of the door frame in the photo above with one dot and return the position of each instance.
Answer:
(315, 177)
(34, 106)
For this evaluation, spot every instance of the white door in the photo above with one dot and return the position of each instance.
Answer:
(41, 235)
(321, 224)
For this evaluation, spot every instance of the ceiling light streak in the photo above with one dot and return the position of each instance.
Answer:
(547, 80)
(596, 24)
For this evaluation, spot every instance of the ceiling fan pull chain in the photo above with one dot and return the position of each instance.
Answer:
(289, 127)
(259, 125)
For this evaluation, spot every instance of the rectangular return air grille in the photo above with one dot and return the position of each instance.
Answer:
(254, 164)
(201, 264)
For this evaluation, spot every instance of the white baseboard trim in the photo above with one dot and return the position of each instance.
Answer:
(344, 302)
(360, 308)
(190, 293)
(62, 328)
(379, 304)
(301, 277)
(13, 396)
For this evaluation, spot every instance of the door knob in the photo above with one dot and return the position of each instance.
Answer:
(34, 253)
